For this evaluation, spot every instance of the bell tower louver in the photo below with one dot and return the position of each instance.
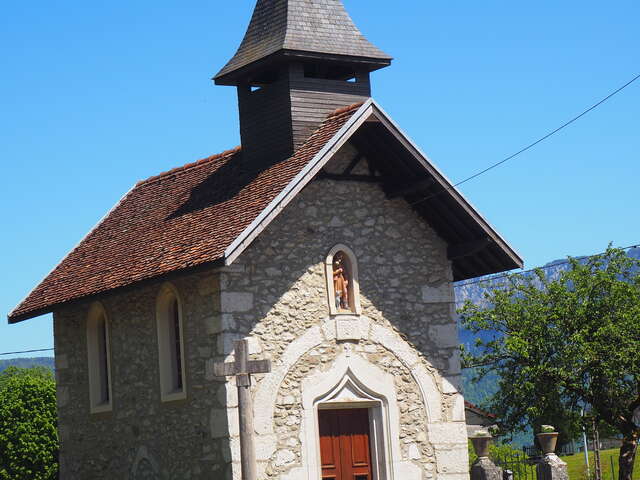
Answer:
(299, 61)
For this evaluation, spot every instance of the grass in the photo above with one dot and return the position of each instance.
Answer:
(577, 470)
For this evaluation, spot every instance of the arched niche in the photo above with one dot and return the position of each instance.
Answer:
(170, 330)
(341, 265)
(145, 466)
(99, 359)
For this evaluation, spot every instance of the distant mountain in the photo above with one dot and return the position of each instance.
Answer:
(27, 362)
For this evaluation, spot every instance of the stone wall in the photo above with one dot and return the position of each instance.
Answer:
(142, 437)
(275, 293)
(288, 413)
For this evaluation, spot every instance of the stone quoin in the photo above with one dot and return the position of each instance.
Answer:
(328, 241)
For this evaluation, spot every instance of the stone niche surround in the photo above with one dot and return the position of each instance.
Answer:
(275, 294)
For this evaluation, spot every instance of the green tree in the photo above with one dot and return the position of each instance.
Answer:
(562, 344)
(28, 431)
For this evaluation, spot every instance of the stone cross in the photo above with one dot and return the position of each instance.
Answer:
(242, 368)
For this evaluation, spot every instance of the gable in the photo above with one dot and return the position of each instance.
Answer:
(475, 247)
(208, 212)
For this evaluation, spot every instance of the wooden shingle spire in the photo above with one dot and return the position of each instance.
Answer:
(312, 29)
(299, 61)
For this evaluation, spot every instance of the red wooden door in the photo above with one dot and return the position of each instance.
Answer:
(344, 444)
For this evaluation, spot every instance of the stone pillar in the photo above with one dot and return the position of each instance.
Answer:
(551, 467)
(484, 469)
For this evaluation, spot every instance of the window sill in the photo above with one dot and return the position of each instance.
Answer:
(174, 396)
(102, 408)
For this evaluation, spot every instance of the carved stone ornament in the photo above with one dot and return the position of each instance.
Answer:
(348, 329)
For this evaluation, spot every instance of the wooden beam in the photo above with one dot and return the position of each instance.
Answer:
(467, 249)
(444, 183)
(371, 167)
(441, 203)
(411, 189)
(352, 164)
(349, 178)
(371, 141)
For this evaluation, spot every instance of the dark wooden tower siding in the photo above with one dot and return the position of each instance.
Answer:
(314, 97)
(292, 69)
(276, 118)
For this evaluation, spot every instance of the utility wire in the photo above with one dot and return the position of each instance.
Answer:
(27, 351)
(544, 267)
(531, 145)
(475, 175)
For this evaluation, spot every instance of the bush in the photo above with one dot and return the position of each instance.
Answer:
(497, 451)
(28, 425)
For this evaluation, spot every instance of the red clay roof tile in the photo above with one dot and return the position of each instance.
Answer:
(474, 408)
(182, 218)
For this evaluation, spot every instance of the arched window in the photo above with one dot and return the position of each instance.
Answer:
(170, 345)
(98, 351)
(341, 271)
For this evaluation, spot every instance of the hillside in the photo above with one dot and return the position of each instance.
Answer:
(27, 362)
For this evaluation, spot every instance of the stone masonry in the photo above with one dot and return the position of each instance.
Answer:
(142, 437)
(275, 294)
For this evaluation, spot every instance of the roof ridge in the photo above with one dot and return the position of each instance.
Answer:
(336, 113)
(342, 110)
(477, 409)
(190, 165)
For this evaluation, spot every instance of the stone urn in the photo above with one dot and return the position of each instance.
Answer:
(481, 445)
(548, 441)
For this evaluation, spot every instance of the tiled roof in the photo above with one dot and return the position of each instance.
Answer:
(314, 26)
(477, 410)
(180, 219)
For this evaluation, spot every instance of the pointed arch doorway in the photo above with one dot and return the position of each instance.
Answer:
(352, 382)
(345, 448)
(353, 428)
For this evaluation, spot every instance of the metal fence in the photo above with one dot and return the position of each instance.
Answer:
(533, 451)
(521, 466)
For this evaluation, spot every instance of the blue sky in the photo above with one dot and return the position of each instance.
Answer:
(95, 96)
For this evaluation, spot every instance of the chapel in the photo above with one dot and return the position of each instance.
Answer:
(283, 308)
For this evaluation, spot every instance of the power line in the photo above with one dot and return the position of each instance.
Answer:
(27, 351)
(473, 282)
(544, 267)
(531, 145)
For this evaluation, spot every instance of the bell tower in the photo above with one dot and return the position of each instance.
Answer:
(299, 61)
